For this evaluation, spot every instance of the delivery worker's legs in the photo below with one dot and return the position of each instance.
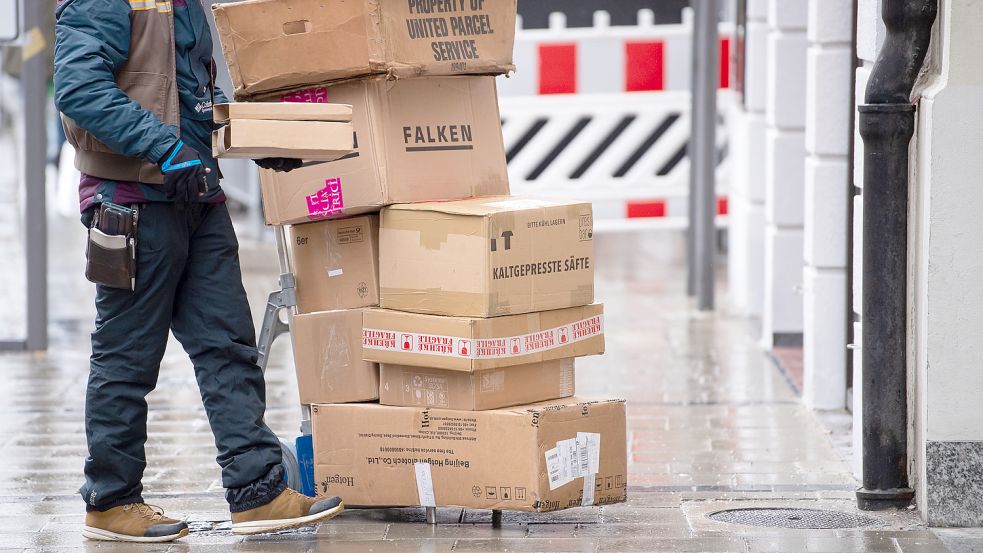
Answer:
(127, 346)
(212, 321)
(188, 279)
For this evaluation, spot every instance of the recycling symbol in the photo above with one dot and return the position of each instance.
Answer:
(476, 490)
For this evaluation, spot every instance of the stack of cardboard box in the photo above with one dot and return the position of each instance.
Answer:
(485, 299)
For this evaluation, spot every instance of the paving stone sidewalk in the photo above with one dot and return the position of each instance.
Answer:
(713, 425)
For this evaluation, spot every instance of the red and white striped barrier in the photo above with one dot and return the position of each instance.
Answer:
(605, 58)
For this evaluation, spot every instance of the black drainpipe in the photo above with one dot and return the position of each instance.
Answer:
(887, 123)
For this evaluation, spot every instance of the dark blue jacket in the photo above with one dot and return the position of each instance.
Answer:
(135, 75)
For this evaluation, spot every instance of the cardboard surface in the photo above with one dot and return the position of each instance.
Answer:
(273, 45)
(491, 389)
(259, 138)
(336, 263)
(282, 111)
(474, 344)
(542, 457)
(487, 257)
(416, 140)
(328, 358)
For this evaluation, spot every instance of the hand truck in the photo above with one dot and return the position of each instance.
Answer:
(285, 299)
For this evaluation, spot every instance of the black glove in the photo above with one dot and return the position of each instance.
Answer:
(284, 164)
(184, 174)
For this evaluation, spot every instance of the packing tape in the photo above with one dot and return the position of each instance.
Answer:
(483, 348)
(587, 498)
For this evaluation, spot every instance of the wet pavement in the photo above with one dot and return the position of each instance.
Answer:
(713, 425)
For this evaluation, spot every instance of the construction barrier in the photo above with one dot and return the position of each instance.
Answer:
(607, 59)
(602, 114)
(624, 152)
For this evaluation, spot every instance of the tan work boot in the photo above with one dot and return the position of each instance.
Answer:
(288, 510)
(136, 522)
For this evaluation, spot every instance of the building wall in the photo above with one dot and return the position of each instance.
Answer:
(829, 106)
(945, 291)
(947, 256)
(781, 319)
(747, 194)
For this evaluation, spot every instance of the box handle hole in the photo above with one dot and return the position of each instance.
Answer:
(296, 27)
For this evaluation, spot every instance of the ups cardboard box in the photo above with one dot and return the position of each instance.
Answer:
(416, 140)
(486, 257)
(328, 358)
(475, 391)
(255, 131)
(336, 263)
(541, 457)
(273, 45)
(477, 344)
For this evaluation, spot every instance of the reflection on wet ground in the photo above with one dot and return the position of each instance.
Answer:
(712, 425)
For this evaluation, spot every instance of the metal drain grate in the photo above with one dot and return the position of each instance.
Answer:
(795, 518)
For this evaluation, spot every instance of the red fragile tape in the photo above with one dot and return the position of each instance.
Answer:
(483, 348)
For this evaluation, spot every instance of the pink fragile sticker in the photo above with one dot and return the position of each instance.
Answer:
(317, 95)
(326, 202)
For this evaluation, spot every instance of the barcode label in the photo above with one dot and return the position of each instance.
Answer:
(574, 458)
(553, 468)
(583, 457)
(592, 445)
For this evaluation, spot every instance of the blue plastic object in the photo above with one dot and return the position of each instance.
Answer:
(305, 459)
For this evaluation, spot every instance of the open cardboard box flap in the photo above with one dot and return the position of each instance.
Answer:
(282, 111)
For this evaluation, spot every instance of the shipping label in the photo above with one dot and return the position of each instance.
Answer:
(574, 458)
(350, 235)
(483, 348)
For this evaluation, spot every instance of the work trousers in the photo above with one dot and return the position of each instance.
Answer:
(188, 280)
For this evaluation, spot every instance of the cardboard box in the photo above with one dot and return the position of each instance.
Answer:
(475, 391)
(336, 263)
(273, 45)
(486, 257)
(282, 111)
(528, 458)
(416, 140)
(328, 358)
(477, 344)
(307, 131)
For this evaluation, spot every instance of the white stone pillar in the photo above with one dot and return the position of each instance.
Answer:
(746, 198)
(829, 105)
(781, 320)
